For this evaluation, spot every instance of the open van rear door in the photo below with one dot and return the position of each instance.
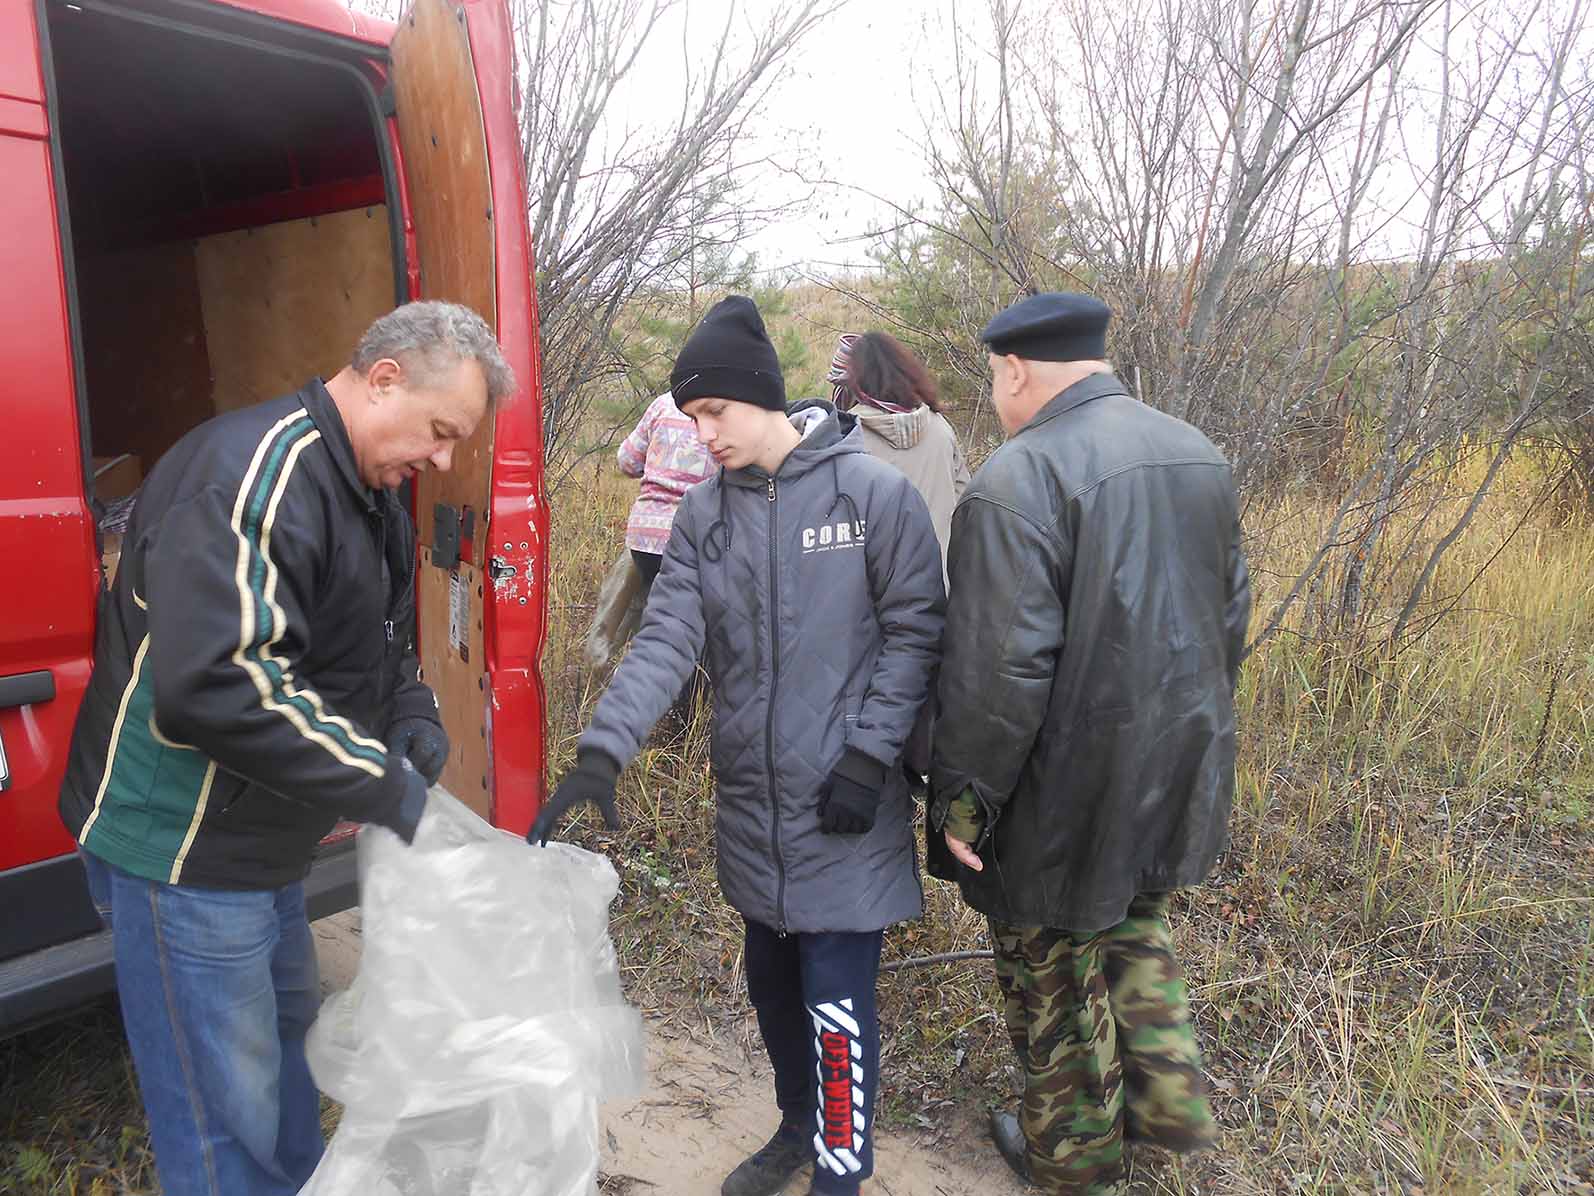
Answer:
(481, 594)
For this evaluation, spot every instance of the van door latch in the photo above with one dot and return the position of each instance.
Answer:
(500, 570)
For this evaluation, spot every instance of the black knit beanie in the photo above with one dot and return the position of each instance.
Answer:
(728, 356)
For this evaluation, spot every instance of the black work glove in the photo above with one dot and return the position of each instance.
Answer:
(591, 780)
(423, 742)
(851, 794)
(406, 816)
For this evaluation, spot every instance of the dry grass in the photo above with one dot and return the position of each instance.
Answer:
(1392, 968)
(70, 1120)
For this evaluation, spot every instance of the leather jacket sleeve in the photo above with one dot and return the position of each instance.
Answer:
(1237, 614)
(1004, 632)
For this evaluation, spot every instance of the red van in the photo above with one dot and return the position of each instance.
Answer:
(202, 204)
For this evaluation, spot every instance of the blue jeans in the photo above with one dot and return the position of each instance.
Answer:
(218, 987)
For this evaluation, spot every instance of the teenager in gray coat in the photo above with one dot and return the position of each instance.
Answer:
(808, 575)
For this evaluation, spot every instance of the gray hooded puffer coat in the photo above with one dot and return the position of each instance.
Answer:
(817, 594)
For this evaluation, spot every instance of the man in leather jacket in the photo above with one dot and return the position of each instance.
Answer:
(1084, 761)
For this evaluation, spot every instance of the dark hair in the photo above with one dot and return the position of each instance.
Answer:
(882, 367)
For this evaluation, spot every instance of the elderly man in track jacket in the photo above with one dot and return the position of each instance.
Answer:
(808, 575)
(255, 681)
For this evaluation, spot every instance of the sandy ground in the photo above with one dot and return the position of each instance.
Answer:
(707, 1105)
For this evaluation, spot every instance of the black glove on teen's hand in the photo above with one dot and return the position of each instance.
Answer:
(591, 780)
(850, 796)
(424, 742)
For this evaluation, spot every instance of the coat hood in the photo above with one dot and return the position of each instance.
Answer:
(899, 429)
(826, 434)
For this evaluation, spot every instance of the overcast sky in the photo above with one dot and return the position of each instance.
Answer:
(846, 108)
(844, 121)
(848, 113)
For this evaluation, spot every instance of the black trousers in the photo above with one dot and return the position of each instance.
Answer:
(647, 564)
(815, 999)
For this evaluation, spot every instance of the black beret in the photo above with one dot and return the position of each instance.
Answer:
(1052, 326)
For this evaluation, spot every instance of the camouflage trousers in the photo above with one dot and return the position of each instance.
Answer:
(1101, 1024)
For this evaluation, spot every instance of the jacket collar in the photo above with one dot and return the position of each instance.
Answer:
(1093, 386)
(826, 434)
(336, 437)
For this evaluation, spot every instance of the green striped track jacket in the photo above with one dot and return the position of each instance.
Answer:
(255, 647)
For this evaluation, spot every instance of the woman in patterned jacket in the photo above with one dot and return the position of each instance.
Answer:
(664, 451)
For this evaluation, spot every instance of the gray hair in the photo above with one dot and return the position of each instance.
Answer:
(428, 337)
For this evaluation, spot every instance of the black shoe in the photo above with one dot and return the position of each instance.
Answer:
(1009, 1138)
(767, 1170)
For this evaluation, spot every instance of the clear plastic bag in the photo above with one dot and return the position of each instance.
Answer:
(485, 1024)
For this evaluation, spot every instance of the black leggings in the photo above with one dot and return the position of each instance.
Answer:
(647, 564)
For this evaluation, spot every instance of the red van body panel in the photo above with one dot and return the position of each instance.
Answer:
(49, 566)
(516, 607)
(325, 16)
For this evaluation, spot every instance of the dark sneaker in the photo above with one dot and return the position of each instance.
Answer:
(766, 1171)
(1009, 1138)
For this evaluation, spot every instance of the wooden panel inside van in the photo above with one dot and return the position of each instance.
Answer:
(452, 657)
(179, 332)
(287, 302)
(444, 148)
(445, 160)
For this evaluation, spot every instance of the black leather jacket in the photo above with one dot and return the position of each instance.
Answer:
(1098, 610)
